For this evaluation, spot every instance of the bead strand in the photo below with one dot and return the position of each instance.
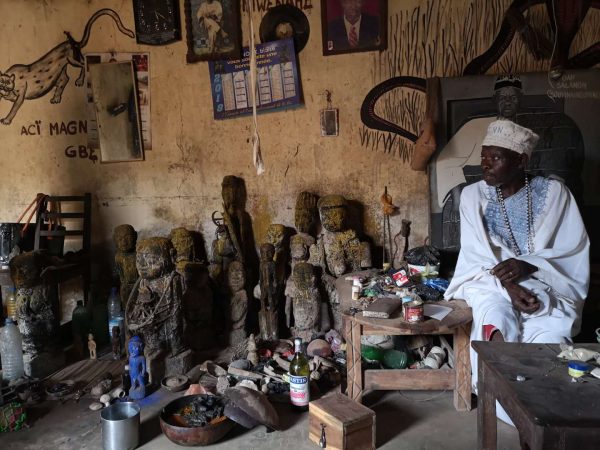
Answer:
(514, 244)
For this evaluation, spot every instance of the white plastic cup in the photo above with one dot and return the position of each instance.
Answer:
(121, 426)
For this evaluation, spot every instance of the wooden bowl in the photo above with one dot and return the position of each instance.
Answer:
(180, 434)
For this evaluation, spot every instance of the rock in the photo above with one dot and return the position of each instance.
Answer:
(222, 384)
(96, 406)
(319, 347)
(250, 407)
(247, 383)
(243, 364)
(213, 369)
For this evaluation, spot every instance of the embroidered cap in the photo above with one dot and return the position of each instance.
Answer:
(507, 134)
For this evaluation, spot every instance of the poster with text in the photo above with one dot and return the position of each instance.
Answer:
(277, 80)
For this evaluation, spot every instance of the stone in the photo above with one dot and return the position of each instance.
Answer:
(319, 347)
(243, 364)
(222, 384)
(179, 364)
(304, 303)
(96, 406)
(248, 384)
(213, 368)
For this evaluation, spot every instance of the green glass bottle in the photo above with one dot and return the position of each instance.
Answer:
(299, 379)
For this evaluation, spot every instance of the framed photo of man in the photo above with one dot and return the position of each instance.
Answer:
(351, 26)
(213, 29)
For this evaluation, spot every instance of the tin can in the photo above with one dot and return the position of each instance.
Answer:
(413, 311)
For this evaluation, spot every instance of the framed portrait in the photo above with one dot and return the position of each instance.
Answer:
(213, 29)
(351, 26)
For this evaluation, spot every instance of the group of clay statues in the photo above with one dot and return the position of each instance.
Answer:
(176, 303)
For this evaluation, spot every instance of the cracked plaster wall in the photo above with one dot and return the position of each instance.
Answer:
(178, 184)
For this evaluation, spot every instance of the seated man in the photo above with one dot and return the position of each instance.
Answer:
(524, 259)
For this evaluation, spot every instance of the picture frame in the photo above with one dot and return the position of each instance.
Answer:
(213, 30)
(329, 122)
(369, 18)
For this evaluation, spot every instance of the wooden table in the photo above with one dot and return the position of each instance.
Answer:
(457, 323)
(549, 410)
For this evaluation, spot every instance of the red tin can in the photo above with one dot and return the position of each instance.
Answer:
(413, 311)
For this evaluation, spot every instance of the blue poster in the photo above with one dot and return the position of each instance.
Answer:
(277, 79)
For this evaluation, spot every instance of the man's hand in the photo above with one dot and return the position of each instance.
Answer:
(512, 270)
(522, 300)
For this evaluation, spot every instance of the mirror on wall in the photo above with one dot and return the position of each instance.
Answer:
(117, 113)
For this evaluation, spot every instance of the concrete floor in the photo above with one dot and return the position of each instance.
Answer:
(406, 420)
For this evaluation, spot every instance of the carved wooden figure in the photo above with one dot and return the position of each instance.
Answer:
(125, 238)
(268, 317)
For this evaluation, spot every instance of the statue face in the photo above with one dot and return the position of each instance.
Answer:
(184, 244)
(303, 275)
(267, 252)
(236, 277)
(332, 218)
(125, 237)
(136, 347)
(276, 234)
(298, 249)
(153, 258)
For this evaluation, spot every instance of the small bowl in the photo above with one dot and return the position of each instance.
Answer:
(175, 383)
(180, 434)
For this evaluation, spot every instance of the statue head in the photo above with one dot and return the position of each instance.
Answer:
(332, 209)
(90, 337)
(183, 242)
(233, 193)
(298, 248)
(154, 257)
(26, 269)
(136, 346)
(125, 237)
(236, 276)
(304, 275)
(267, 252)
(276, 234)
(305, 215)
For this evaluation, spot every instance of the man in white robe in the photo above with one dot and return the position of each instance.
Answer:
(523, 265)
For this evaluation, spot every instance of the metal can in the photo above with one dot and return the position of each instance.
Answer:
(413, 311)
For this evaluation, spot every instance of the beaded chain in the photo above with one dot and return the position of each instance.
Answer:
(514, 244)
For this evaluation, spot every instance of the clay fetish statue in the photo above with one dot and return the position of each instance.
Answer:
(238, 303)
(304, 303)
(268, 317)
(306, 213)
(115, 340)
(125, 238)
(338, 250)
(252, 355)
(92, 346)
(154, 310)
(197, 296)
(37, 322)
(276, 236)
(137, 369)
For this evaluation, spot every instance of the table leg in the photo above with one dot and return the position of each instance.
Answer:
(486, 411)
(462, 362)
(354, 362)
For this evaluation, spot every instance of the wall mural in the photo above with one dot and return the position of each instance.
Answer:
(28, 82)
(427, 41)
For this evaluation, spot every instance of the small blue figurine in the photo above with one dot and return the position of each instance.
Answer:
(137, 368)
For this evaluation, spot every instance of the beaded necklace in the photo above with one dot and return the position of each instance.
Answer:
(514, 244)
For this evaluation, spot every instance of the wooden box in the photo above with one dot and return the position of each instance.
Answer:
(348, 424)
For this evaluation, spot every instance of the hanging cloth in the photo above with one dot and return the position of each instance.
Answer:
(256, 154)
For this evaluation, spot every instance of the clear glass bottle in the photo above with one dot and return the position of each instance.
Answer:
(116, 318)
(299, 378)
(11, 351)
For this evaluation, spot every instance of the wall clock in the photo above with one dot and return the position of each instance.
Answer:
(157, 21)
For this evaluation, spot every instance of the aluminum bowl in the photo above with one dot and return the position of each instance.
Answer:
(180, 434)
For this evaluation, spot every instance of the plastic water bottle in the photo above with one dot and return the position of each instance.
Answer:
(11, 351)
(11, 303)
(115, 314)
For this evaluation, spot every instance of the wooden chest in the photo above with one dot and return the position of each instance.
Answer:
(348, 425)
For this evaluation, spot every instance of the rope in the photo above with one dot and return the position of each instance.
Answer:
(256, 154)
